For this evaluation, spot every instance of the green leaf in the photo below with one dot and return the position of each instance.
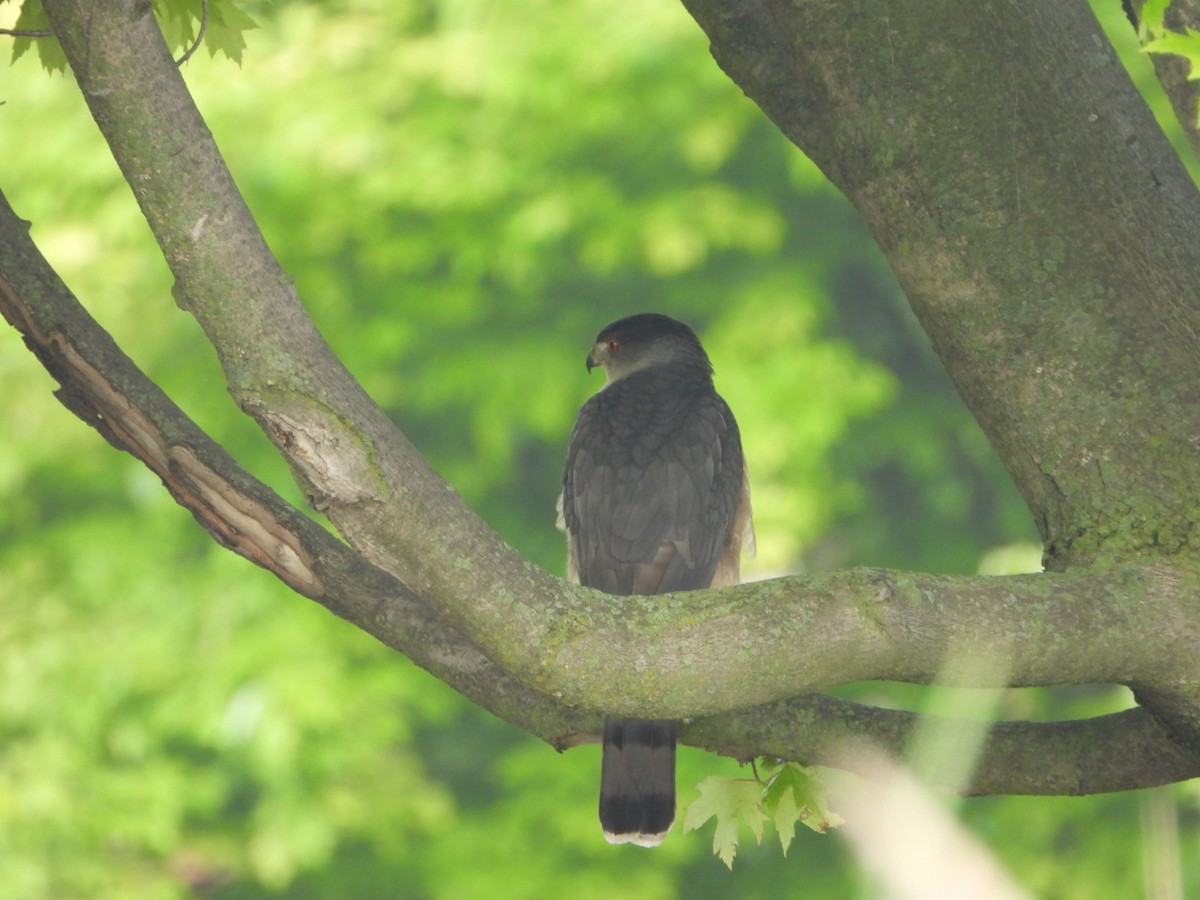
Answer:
(226, 30)
(727, 800)
(784, 817)
(1185, 44)
(782, 793)
(795, 793)
(224, 27)
(34, 18)
(1153, 12)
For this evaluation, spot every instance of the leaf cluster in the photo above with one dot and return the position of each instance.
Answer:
(1156, 37)
(222, 24)
(780, 793)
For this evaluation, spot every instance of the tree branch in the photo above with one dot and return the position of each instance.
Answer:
(961, 132)
(1124, 751)
(102, 386)
(349, 458)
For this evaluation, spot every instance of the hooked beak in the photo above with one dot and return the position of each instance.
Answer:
(597, 357)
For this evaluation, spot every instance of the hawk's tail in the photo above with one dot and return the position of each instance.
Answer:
(637, 781)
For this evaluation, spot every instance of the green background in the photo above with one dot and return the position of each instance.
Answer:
(465, 192)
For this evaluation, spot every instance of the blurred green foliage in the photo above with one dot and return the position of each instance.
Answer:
(465, 193)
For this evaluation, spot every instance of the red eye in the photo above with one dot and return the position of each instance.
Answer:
(613, 346)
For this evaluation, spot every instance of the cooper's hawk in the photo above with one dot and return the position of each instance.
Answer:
(655, 499)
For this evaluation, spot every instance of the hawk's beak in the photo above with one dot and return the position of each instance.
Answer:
(596, 357)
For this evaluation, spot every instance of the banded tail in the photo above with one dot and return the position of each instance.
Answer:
(637, 781)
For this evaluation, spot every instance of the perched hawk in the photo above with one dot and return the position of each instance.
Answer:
(654, 499)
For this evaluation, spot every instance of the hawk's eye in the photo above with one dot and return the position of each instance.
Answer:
(613, 346)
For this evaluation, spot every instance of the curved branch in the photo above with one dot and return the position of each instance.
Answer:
(102, 386)
(187, 54)
(1123, 751)
(352, 462)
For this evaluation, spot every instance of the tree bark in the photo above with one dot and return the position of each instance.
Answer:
(1043, 229)
(1045, 233)
(1047, 239)
(103, 387)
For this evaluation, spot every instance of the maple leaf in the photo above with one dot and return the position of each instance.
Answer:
(727, 800)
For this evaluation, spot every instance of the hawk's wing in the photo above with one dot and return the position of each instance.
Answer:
(655, 497)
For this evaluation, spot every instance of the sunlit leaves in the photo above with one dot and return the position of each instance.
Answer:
(780, 793)
(1157, 38)
(1185, 44)
(33, 18)
(731, 801)
(225, 23)
(795, 793)
(1152, 15)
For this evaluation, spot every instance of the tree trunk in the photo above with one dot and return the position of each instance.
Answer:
(1045, 233)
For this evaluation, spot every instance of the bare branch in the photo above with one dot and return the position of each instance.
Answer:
(102, 386)
(354, 464)
(1123, 751)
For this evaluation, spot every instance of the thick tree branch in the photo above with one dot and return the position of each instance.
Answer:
(102, 386)
(1123, 751)
(350, 459)
(1103, 754)
(961, 132)
(703, 653)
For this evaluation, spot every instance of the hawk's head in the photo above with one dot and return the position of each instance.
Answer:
(645, 340)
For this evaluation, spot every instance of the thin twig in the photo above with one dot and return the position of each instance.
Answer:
(199, 34)
(26, 32)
